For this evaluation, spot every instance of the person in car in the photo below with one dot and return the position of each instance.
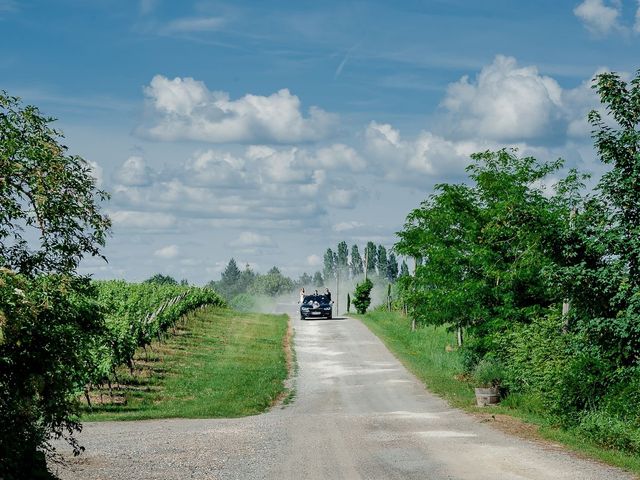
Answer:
(327, 294)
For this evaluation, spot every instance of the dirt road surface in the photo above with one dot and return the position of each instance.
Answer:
(357, 414)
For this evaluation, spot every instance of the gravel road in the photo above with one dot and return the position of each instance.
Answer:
(358, 414)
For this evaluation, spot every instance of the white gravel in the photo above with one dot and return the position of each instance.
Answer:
(358, 414)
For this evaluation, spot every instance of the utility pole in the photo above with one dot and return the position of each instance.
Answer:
(337, 291)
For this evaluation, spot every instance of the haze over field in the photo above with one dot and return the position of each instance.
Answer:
(269, 131)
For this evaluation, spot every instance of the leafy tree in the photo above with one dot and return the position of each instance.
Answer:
(342, 260)
(371, 254)
(329, 265)
(603, 277)
(272, 284)
(404, 269)
(231, 274)
(362, 296)
(318, 281)
(381, 261)
(305, 279)
(356, 262)
(247, 277)
(45, 194)
(160, 279)
(487, 247)
(49, 220)
(392, 267)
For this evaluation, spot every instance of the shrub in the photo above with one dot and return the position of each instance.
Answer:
(362, 296)
(489, 372)
(610, 431)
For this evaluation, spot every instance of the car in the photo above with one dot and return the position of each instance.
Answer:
(316, 306)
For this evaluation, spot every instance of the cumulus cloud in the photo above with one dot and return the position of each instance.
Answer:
(598, 17)
(216, 169)
(96, 172)
(410, 160)
(338, 156)
(505, 103)
(170, 251)
(184, 108)
(142, 220)
(134, 172)
(252, 239)
(346, 226)
(342, 198)
(314, 260)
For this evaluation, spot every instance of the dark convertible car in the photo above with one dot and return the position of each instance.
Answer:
(316, 306)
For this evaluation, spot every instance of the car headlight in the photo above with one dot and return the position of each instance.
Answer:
(305, 309)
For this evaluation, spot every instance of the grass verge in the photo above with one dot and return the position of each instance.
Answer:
(219, 363)
(424, 353)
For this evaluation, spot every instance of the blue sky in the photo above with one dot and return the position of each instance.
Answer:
(267, 131)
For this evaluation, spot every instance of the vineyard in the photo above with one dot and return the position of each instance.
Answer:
(135, 314)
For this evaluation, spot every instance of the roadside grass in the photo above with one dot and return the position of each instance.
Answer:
(424, 353)
(219, 363)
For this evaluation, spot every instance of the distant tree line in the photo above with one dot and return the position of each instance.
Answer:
(377, 261)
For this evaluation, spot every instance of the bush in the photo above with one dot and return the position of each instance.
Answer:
(489, 372)
(244, 302)
(362, 296)
(610, 431)
(535, 355)
(46, 327)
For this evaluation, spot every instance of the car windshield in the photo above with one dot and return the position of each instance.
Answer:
(315, 298)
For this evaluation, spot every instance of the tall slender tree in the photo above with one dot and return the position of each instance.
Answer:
(392, 267)
(318, 281)
(382, 261)
(342, 260)
(371, 253)
(357, 268)
(404, 269)
(329, 270)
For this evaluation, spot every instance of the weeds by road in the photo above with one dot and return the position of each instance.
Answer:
(220, 363)
(427, 354)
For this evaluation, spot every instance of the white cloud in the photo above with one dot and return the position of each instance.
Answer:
(314, 260)
(134, 172)
(346, 226)
(598, 17)
(96, 172)
(408, 161)
(505, 103)
(216, 169)
(342, 198)
(252, 239)
(142, 220)
(338, 156)
(170, 251)
(194, 24)
(185, 109)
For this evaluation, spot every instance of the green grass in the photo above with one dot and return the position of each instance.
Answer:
(220, 363)
(424, 353)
